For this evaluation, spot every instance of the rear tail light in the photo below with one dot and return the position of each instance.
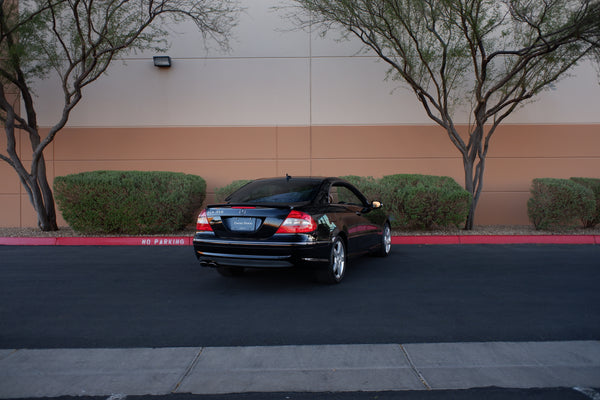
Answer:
(297, 222)
(202, 225)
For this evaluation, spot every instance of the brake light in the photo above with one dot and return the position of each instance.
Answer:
(297, 222)
(202, 225)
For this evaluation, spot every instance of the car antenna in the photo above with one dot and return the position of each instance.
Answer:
(287, 177)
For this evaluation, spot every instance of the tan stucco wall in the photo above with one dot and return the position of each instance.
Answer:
(518, 154)
(290, 101)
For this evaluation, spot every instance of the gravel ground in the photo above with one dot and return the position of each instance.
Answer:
(478, 230)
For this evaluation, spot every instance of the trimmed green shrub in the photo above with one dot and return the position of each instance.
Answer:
(594, 185)
(426, 201)
(222, 192)
(559, 203)
(418, 201)
(129, 202)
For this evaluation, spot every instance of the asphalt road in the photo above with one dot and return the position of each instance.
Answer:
(118, 297)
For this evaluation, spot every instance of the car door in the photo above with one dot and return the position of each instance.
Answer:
(349, 207)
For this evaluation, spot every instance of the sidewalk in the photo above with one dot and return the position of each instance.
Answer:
(375, 367)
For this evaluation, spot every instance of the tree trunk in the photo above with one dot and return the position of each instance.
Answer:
(47, 210)
(42, 200)
(471, 216)
(41, 192)
(35, 183)
(470, 187)
(474, 185)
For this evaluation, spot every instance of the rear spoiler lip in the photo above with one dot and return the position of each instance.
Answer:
(290, 206)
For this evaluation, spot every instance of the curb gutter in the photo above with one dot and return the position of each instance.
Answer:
(411, 240)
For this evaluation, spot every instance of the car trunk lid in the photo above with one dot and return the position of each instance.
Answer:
(244, 221)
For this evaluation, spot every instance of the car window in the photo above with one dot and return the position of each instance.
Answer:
(276, 191)
(343, 195)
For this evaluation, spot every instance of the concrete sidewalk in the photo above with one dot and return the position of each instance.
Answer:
(212, 370)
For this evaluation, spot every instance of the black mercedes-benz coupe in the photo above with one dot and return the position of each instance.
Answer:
(292, 221)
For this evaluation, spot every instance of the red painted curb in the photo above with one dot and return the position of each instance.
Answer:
(99, 241)
(425, 240)
(188, 241)
(124, 241)
(529, 239)
(498, 239)
(20, 241)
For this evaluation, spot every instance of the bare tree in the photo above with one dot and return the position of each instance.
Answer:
(490, 55)
(78, 40)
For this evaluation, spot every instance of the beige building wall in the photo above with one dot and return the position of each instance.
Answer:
(222, 154)
(292, 102)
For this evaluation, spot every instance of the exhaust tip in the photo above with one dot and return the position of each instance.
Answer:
(206, 263)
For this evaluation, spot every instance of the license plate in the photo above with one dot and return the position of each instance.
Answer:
(243, 224)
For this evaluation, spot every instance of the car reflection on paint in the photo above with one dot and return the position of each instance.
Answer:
(292, 221)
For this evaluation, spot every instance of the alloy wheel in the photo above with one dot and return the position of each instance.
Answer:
(387, 239)
(338, 260)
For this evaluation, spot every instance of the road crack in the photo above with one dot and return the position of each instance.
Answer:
(415, 369)
(188, 371)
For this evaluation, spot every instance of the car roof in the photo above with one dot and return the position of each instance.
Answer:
(304, 178)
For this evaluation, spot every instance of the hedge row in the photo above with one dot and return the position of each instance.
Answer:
(418, 201)
(413, 201)
(129, 202)
(135, 202)
(564, 203)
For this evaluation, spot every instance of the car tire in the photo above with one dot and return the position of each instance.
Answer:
(338, 261)
(385, 246)
(230, 271)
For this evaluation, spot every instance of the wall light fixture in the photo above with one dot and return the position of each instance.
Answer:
(162, 61)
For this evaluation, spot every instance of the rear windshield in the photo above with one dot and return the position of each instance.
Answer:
(276, 191)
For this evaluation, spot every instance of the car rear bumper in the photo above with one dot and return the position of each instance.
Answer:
(299, 250)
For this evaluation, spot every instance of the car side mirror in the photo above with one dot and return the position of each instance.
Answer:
(376, 204)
